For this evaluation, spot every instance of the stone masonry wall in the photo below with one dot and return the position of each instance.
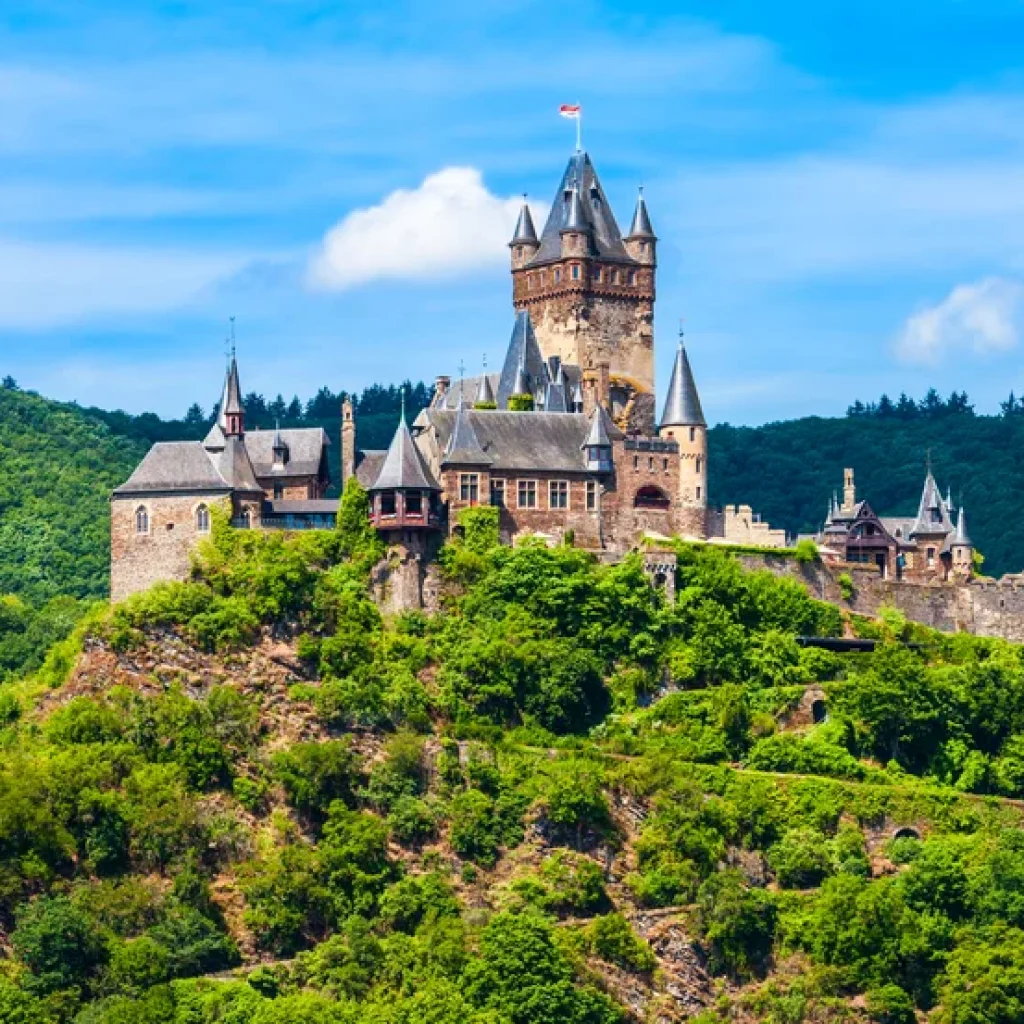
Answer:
(140, 560)
(984, 608)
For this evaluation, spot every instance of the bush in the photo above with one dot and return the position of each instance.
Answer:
(314, 775)
(474, 827)
(738, 924)
(58, 944)
(613, 940)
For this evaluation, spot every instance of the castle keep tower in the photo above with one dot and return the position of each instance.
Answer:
(683, 422)
(589, 292)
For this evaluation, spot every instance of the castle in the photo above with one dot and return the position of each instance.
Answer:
(564, 440)
(931, 546)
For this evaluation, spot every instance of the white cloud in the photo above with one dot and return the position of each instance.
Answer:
(982, 317)
(450, 224)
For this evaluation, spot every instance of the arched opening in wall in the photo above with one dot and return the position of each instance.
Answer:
(142, 519)
(203, 519)
(819, 711)
(660, 579)
(651, 497)
(906, 832)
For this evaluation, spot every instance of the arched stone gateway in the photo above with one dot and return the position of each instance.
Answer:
(819, 711)
(651, 497)
(906, 832)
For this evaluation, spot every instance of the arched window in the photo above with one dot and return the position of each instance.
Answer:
(203, 519)
(651, 497)
(142, 519)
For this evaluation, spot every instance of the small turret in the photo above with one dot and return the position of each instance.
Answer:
(484, 394)
(280, 450)
(575, 232)
(232, 413)
(641, 242)
(683, 421)
(598, 443)
(961, 549)
(525, 243)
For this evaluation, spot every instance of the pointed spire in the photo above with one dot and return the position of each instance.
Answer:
(463, 447)
(682, 404)
(932, 514)
(523, 362)
(601, 430)
(485, 393)
(525, 233)
(641, 227)
(962, 536)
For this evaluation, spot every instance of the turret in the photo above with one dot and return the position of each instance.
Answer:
(961, 548)
(849, 492)
(597, 447)
(525, 243)
(576, 231)
(641, 242)
(683, 421)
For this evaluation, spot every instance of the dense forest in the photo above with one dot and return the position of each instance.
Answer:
(561, 799)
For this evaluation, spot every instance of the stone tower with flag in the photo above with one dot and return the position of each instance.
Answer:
(590, 291)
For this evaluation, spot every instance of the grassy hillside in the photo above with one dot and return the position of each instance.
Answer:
(561, 799)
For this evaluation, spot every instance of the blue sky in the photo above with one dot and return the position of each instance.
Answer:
(839, 192)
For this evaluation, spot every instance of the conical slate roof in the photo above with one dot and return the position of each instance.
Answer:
(525, 232)
(230, 402)
(485, 393)
(524, 365)
(403, 467)
(233, 463)
(575, 219)
(682, 404)
(606, 239)
(463, 448)
(962, 536)
(602, 430)
(931, 499)
(641, 227)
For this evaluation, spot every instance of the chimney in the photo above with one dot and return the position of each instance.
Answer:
(441, 387)
(348, 442)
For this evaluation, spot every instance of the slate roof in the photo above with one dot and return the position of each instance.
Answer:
(171, 466)
(606, 239)
(463, 448)
(541, 441)
(368, 465)
(682, 404)
(961, 536)
(523, 354)
(932, 499)
(306, 447)
(468, 387)
(403, 467)
(641, 226)
(234, 465)
(602, 429)
(525, 231)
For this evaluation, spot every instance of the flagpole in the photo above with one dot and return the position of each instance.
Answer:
(579, 130)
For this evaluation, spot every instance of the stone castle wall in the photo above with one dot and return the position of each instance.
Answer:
(982, 607)
(164, 553)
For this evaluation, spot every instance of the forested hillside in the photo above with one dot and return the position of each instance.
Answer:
(560, 800)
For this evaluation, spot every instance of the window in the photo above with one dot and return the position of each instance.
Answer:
(527, 494)
(636, 461)
(645, 247)
(498, 493)
(575, 271)
(615, 277)
(698, 494)
(693, 433)
(414, 503)
(699, 463)
(591, 495)
(931, 558)
(936, 515)
(278, 492)
(664, 465)
(469, 487)
(387, 503)
(558, 274)
(597, 275)
(142, 519)
(650, 463)
(203, 519)
(632, 277)
(519, 250)
(558, 494)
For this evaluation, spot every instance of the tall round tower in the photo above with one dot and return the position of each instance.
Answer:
(683, 422)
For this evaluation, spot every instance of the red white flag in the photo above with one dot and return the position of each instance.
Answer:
(570, 110)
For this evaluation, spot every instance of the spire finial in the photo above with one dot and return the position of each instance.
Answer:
(232, 322)
(682, 332)
(402, 393)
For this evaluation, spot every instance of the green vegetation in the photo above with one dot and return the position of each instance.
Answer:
(422, 823)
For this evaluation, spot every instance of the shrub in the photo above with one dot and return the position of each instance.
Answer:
(738, 924)
(58, 944)
(474, 827)
(314, 775)
(613, 940)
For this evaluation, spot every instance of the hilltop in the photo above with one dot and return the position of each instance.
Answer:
(561, 798)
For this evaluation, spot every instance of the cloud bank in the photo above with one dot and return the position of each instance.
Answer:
(983, 317)
(450, 224)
